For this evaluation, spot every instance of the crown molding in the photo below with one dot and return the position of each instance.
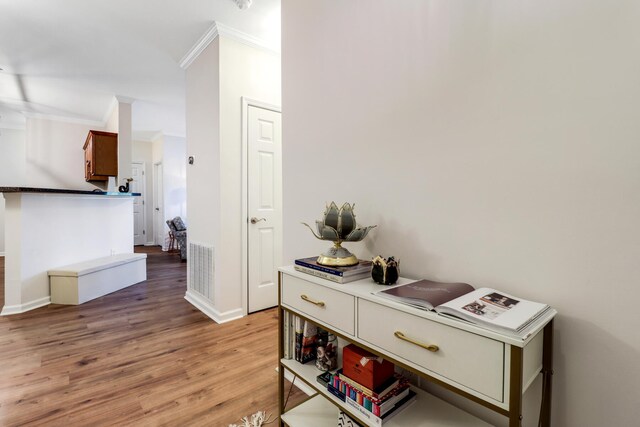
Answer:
(195, 51)
(113, 104)
(216, 30)
(64, 119)
(245, 38)
(124, 99)
(175, 135)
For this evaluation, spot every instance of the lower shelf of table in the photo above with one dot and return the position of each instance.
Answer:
(322, 410)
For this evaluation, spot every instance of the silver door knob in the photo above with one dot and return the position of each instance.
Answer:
(255, 220)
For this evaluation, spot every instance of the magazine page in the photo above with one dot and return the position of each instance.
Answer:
(494, 309)
(425, 294)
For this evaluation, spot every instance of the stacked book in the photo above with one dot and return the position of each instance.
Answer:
(300, 338)
(375, 407)
(335, 274)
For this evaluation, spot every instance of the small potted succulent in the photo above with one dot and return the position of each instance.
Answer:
(339, 225)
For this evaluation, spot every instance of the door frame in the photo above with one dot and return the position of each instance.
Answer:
(246, 103)
(144, 200)
(158, 215)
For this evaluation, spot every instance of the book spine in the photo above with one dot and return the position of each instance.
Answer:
(309, 342)
(318, 268)
(298, 338)
(292, 335)
(366, 416)
(285, 335)
(337, 393)
(317, 273)
(357, 385)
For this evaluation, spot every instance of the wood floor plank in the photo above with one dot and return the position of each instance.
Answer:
(142, 356)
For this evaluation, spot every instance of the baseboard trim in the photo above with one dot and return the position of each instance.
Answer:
(207, 308)
(8, 310)
(1, 253)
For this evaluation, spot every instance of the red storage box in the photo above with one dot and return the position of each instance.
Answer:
(365, 368)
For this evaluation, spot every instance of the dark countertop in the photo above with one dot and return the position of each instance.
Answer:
(62, 191)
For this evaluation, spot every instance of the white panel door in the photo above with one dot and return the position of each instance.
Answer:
(159, 223)
(264, 145)
(137, 186)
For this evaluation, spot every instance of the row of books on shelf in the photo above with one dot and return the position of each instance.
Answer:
(352, 273)
(345, 388)
(300, 338)
(368, 384)
(377, 401)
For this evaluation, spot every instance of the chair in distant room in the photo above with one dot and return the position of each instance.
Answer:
(178, 234)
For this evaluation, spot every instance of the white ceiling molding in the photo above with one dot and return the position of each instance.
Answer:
(174, 135)
(218, 29)
(146, 136)
(209, 36)
(124, 99)
(245, 38)
(64, 119)
(113, 104)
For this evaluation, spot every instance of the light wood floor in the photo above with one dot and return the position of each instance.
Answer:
(140, 356)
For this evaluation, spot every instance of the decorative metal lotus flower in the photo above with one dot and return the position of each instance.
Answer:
(339, 225)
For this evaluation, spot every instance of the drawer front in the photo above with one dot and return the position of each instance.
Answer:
(464, 358)
(335, 309)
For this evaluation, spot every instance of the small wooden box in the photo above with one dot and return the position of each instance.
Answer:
(365, 368)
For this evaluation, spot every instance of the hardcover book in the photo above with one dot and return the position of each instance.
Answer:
(298, 322)
(309, 342)
(311, 262)
(484, 307)
(389, 387)
(377, 421)
(332, 277)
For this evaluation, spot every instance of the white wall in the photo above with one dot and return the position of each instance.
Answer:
(12, 167)
(175, 177)
(217, 80)
(203, 142)
(253, 73)
(53, 230)
(124, 143)
(493, 142)
(54, 154)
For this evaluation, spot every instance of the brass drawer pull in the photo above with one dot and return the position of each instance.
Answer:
(431, 347)
(307, 299)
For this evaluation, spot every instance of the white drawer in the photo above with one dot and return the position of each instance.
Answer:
(465, 358)
(333, 308)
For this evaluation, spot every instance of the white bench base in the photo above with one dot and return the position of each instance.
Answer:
(82, 282)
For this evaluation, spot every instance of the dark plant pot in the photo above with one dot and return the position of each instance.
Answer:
(385, 271)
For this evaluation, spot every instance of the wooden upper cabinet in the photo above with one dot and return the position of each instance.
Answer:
(100, 155)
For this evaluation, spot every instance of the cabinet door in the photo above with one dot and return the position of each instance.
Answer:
(105, 155)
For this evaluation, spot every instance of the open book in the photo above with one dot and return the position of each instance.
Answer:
(483, 307)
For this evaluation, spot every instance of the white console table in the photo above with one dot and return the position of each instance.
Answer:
(486, 367)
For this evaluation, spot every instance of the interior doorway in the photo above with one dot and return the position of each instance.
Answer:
(262, 203)
(158, 209)
(138, 185)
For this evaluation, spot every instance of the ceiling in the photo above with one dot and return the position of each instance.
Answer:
(69, 58)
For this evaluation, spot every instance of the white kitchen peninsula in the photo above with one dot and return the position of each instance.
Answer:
(48, 228)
